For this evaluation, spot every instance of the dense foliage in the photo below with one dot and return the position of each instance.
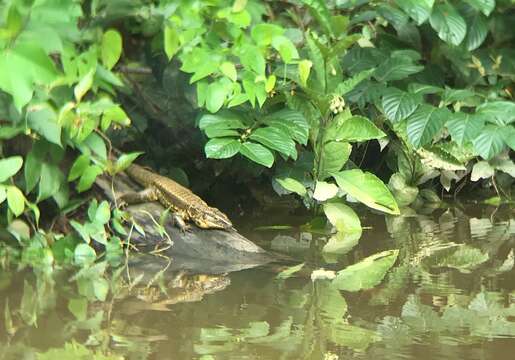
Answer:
(419, 89)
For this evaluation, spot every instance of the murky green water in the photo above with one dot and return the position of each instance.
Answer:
(450, 295)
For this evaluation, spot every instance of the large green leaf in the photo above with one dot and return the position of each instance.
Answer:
(15, 200)
(358, 128)
(477, 31)
(464, 127)
(448, 23)
(263, 33)
(366, 274)
(324, 191)
(285, 47)
(490, 142)
(498, 112)
(418, 10)
(43, 119)
(425, 123)
(22, 66)
(111, 48)
(222, 120)
(368, 189)
(398, 104)
(485, 6)
(508, 134)
(342, 217)
(292, 121)
(222, 148)
(335, 155)
(292, 185)
(257, 153)
(217, 92)
(275, 138)
(349, 84)
(396, 68)
(50, 181)
(9, 167)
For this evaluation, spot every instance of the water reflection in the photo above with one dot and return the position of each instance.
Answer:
(450, 295)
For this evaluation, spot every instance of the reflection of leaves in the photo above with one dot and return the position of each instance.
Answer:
(355, 337)
(367, 273)
(464, 258)
(332, 304)
(287, 273)
(74, 351)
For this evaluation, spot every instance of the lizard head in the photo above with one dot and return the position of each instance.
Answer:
(213, 219)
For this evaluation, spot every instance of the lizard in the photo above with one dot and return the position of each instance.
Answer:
(186, 205)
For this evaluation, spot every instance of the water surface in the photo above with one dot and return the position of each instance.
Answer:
(450, 295)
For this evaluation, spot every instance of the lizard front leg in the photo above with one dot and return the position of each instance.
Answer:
(179, 220)
(149, 194)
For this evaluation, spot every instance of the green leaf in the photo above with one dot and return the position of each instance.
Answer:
(438, 157)
(88, 177)
(304, 70)
(366, 274)
(498, 112)
(342, 217)
(78, 167)
(418, 10)
(349, 84)
(403, 193)
(228, 69)
(464, 127)
(335, 155)
(448, 23)
(224, 120)
(490, 142)
(481, 170)
(477, 32)
(320, 12)
(125, 160)
(317, 59)
(171, 41)
(9, 167)
(292, 121)
(396, 68)
(257, 153)
(103, 213)
(252, 59)
(292, 185)
(84, 85)
(222, 148)
(425, 123)
(15, 200)
(43, 120)
(22, 66)
(288, 272)
(85, 255)
(485, 6)
(32, 170)
(358, 128)
(3, 194)
(263, 33)
(342, 242)
(368, 189)
(508, 134)
(101, 289)
(276, 139)
(216, 94)
(111, 48)
(398, 105)
(324, 191)
(285, 47)
(49, 182)
(79, 308)
(216, 132)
